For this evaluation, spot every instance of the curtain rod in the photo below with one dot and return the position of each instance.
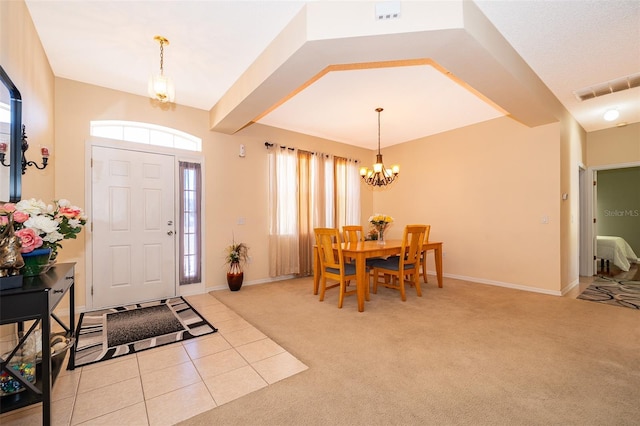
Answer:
(269, 145)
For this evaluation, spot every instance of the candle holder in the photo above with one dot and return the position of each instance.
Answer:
(24, 147)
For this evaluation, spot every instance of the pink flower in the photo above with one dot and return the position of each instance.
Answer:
(4, 221)
(20, 217)
(29, 239)
(70, 212)
(9, 207)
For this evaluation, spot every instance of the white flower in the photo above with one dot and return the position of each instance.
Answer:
(74, 223)
(64, 203)
(33, 207)
(42, 224)
(53, 237)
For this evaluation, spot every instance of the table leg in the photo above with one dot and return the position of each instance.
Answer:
(316, 270)
(424, 265)
(362, 281)
(438, 258)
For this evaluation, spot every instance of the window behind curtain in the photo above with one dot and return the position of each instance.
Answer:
(283, 212)
(190, 270)
(309, 190)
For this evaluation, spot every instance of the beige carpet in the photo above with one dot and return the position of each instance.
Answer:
(466, 354)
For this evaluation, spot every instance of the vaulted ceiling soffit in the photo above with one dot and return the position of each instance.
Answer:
(465, 48)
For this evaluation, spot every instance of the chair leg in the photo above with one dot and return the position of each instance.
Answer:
(375, 281)
(416, 280)
(323, 288)
(343, 288)
(403, 294)
(424, 268)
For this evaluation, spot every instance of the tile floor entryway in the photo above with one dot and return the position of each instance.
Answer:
(171, 383)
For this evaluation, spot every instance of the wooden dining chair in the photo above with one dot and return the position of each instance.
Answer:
(352, 233)
(402, 266)
(332, 263)
(355, 233)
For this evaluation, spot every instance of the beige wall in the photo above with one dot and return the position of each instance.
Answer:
(572, 158)
(617, 145)
(484, 190)
(24, 60)
(234, 187)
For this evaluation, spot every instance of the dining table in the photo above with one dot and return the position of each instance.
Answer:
(363, 250)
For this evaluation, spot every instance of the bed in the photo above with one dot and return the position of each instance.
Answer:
(617, 250)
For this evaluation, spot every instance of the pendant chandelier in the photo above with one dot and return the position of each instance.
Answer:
(379, 175)
(161, 87)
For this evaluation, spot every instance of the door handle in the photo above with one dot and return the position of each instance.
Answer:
(169, 232)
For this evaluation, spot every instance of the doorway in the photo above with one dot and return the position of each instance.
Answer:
(589, 229)
(133, 236)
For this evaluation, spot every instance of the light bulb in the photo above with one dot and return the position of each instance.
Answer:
(611, 115)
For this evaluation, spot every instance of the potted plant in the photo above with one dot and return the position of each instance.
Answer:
(237, 255)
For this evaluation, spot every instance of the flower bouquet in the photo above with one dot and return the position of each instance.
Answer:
(40, 227)
(380, 222)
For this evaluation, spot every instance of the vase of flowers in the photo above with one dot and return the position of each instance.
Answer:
(237, 255)
(380, 222)
(40, 228)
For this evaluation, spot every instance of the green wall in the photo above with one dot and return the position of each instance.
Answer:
(619, 205)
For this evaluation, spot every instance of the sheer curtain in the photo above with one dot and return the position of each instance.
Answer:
(305, 209)
(283, 211)
(306, 191)
(322, 190)
(347, 196)
(352, 195)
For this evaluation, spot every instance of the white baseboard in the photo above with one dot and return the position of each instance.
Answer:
(501, 284)
(565, 290)
(570, 287)
(252, 282)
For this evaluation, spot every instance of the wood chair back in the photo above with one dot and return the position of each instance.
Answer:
(412, 241)
(329, 258)
(407, 264)
(332, 263)
(352, 233)
(423, 255)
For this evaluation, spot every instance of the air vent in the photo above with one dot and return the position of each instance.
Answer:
(387, 10)
(612, 86)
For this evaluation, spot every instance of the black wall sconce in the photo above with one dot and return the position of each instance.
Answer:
(25, 146)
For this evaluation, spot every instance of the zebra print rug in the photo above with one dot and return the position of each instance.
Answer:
(114, 332)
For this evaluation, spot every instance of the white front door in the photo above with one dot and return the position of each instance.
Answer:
(133, 235)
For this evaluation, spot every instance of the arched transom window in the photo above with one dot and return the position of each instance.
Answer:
(145, 133)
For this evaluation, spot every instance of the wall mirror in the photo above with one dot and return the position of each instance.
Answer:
(10, 139)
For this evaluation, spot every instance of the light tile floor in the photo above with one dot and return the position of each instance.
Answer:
(171, 383)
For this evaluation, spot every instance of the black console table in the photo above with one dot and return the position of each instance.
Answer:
(36, 300)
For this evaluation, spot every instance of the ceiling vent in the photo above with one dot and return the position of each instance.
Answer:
(612, 86)
(387, 10)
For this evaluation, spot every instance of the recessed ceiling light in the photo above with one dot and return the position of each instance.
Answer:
(611, 115)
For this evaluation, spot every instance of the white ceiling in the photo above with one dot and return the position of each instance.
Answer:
(570, 45)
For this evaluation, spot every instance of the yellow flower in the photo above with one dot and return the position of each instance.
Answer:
(380, 219)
